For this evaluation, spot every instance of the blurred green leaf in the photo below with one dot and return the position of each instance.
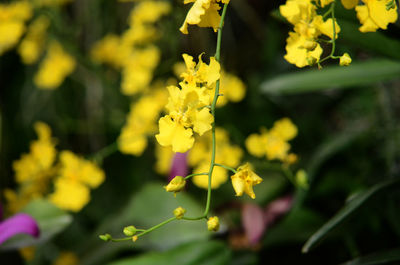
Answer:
(371, 41)
(294, 228)
(382, 257)
(351, 206)
(51, 221)
(150, 206)
(195, 253)
(332, 77)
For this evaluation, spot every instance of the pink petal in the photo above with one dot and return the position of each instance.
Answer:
(277, 209)
(253, 222)
(179, 166)
(18, 224)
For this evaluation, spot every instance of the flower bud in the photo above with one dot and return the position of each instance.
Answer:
(213, 224)
(105, 237)
(301, 179)
(176, 184)
(179, 212)
(345, 59)
(129, 230)
(134, 238)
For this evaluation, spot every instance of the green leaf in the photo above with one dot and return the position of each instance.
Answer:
(382, 257)
(332, 77)
(195, 253)
(371, 41)
(51, 221)
(150, 206)
(356, 202)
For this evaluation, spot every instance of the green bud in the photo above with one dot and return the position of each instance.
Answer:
(129, 230)
(302, 179)
(105, 237)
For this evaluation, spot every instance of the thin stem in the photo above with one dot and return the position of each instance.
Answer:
(226, 167)
(216, 94)
(333, 41)
(106, 151)
(120, 239)
(195, 174)
(157, 226)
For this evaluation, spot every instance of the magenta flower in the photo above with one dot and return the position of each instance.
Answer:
(179, 166)
(21, 223)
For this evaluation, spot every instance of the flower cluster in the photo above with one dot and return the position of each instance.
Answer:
(33, 171)
(134, 52)
(274, 143)
(75, 176)
(12, 23)
(36, 171)
(303, 48)
(57, 64)
(303, 44)
(142, 121)
(188, 106)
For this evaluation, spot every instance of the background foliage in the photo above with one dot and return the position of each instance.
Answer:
(348, 142)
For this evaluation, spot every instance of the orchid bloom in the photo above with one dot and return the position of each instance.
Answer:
(20, 223)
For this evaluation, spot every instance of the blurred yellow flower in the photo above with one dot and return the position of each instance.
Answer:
(76, 175)
(32, 45)
(273, 143)
(54, 68)
(226, 154)
(66, 258)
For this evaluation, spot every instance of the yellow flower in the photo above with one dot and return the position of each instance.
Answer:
(32, 45)
(244, 180)
(179, 212)
(374, 15)
(164, 156)
(72, 186)
(54, 68)
(69, 194)
(349, 4)
(324, 3)
(284, 129)
(10, 33)
(231, 88)
(213, 224)
(66, 258)
(176, 184)
(345, 59)
(172, 133)
(34, 171)
(203, 13)
(297, 54)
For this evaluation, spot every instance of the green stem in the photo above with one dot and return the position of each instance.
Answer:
(216, 94)
(195, 174)
(157, 226)
(333, 41)
(120, 239)
(226, 167)
(106, 151)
